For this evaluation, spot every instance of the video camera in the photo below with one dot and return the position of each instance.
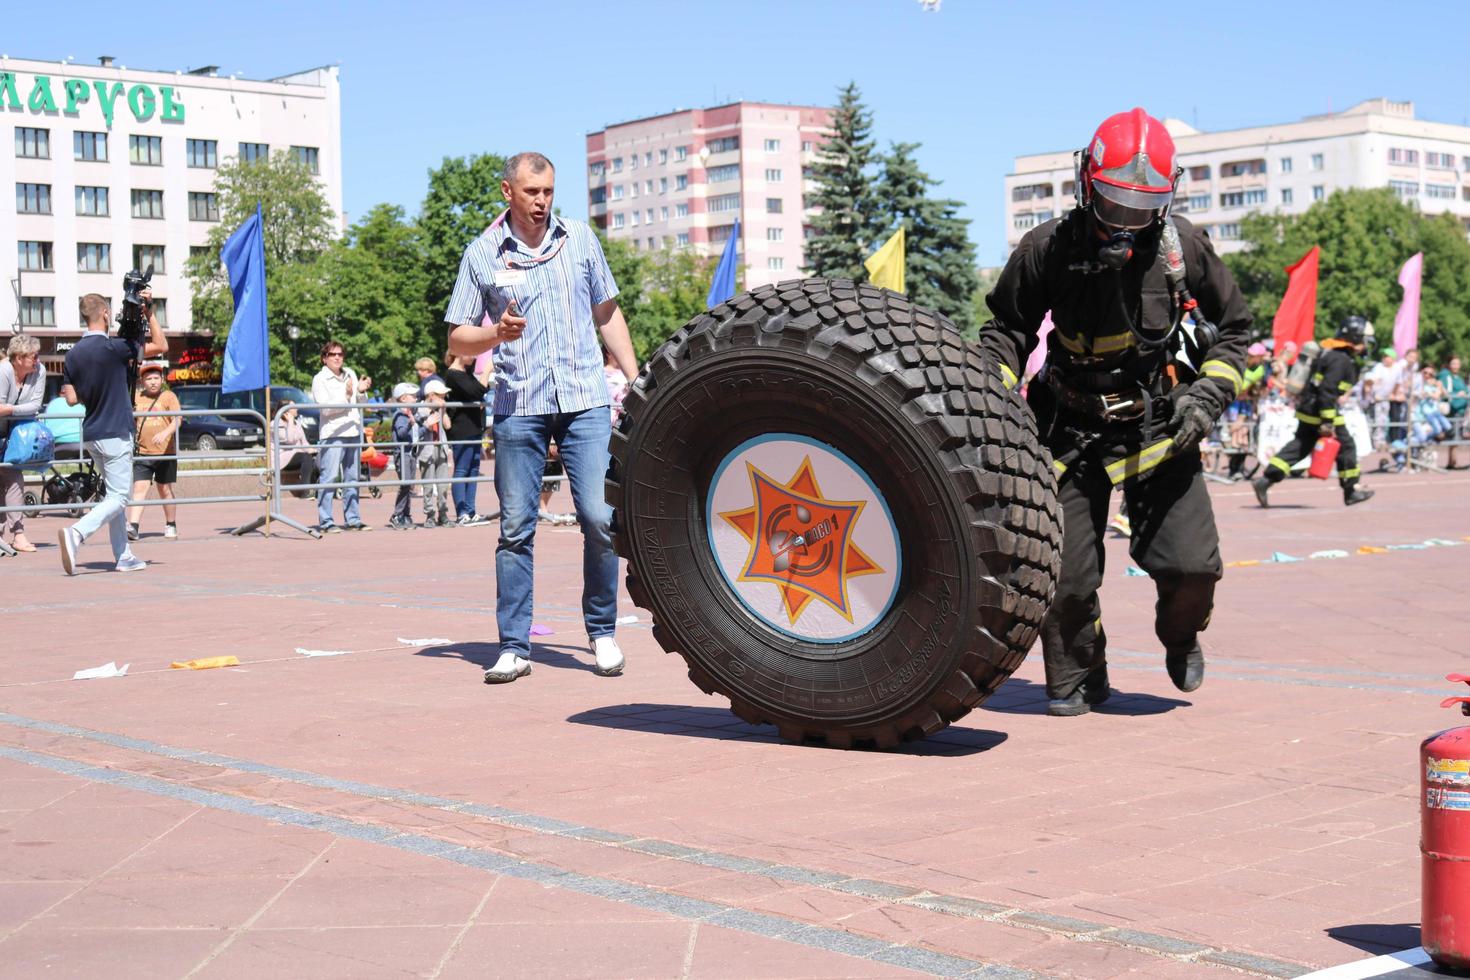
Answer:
(132, 324)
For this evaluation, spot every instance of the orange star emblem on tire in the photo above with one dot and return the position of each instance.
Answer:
(801, 542)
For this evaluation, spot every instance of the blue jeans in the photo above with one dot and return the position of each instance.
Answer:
(339, 454)
(114, 457)
(521, 442)
(466, 463)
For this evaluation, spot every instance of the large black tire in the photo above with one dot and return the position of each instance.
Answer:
(946, 538)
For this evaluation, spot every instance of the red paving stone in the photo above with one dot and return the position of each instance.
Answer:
(1269, 813)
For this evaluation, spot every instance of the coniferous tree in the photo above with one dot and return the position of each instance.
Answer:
(939, 259)
(844, 229)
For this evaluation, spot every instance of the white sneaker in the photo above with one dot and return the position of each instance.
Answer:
(507, 669)
(608, 656)
(170, 531)
(131, 563)
(70, 541)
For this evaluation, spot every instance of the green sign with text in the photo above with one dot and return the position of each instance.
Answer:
(141, 100)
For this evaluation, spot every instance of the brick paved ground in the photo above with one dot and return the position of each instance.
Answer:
(384, 813)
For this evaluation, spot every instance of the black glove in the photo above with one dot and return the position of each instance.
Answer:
(1192, 421)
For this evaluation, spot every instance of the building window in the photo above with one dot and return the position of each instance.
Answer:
(773, 205)
(773, 146)
(1318, 192)
(806, 146)
(1317, 161)
(146, 151)
(1257, 196)
(1404, 188)
(1023, 221)
(595, 169)
(648, 187)
(682, 238)
(34, 256)
(1199, 202)
(33, 143)
(160, 312)
(148, 204)
(93, 201)
(89, 146)
(251, 152)
(775, 263)
(774, 234)
(1241, 168)
(617, 192)
(597, 195)
(38, 311)
(618, 220)
(727, 172)
(724, 202)
(681, 182)
(33, 198)
(617, 165)
(721, 233)
(1286, 195)
(1201, 172)
(203, 154)
(94, 257)
(1227, 233)
(663, 213)
(633, 165)
(663, 185)
(681, 153)
(634, 186)
(724, 144)
(648, 216)
(146, 255)
(1027, 192)
(1232, 199)
(681, 210)
(1285, 164)
(773, 176)
(636, 213)
(203, 206)
(1440, 161)
(1441, 191)
(1400, 155)
(663, 155)
(651, 244)
(309, 157)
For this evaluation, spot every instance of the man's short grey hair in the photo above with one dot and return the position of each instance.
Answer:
(22, 344)
(538, 164)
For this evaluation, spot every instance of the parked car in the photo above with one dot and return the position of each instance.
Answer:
(210, 396)
(211, 432)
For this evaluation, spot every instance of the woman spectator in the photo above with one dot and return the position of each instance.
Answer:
(1455, 388)
(1429, 409)
(22, 387)
(466, 432)
(300, 456)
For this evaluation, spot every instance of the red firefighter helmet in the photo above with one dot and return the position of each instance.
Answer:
(1127, 173)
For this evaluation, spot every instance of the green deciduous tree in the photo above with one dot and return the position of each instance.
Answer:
(464, 197)
(1365, 237)
(939, 260)
(659, 292)
(843, 232)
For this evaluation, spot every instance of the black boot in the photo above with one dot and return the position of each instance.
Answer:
(1093, 690)
(1352, 495)
(1262, 486)
(1186, 667)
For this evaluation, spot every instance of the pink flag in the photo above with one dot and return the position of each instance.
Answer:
(1038, 356)
(1406, 323)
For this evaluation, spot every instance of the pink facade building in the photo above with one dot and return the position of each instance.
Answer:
(681, 180)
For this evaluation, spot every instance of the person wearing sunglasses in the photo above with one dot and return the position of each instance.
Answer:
(339, 438)
(1147, 352)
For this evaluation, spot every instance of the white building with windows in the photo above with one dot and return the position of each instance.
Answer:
(1283, 167)
(114, 168)
(681, 180)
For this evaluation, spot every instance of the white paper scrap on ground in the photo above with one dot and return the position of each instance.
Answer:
(106, 670)
(427, 641)
(322, 653)
(625, 620)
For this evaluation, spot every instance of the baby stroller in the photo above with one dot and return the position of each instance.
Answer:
(82, 485)
(374, 461)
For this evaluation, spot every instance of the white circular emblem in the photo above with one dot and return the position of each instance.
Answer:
(803, 538)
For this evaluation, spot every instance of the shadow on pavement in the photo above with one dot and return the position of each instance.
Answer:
(1377, 937)
(721, 723)
(1019, 696)
(484, 653)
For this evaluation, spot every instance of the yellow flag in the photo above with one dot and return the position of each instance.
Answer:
(885, 266)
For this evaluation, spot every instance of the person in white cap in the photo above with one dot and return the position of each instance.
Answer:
(434, 455)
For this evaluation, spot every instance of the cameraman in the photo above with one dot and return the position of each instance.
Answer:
(96, 375)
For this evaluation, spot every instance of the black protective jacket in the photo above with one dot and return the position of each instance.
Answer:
(1093, 349)
(1333, 375)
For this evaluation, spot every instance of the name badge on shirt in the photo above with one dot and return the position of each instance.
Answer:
(506, 278)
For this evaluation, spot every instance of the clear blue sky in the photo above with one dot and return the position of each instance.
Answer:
(976, 83)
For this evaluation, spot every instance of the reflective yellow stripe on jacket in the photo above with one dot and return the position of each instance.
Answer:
(1223, 371)
(1140, 462)
(1110, 344)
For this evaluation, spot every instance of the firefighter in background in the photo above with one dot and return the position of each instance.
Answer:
(1334, 373)
(1126, 394)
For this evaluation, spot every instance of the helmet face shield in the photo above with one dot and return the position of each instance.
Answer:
(1119, 207)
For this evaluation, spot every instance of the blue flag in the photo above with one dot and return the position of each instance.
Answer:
(723, 286)
(247, 349)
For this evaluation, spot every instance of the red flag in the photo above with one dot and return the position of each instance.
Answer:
(1296, 317)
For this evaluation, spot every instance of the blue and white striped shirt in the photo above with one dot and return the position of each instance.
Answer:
(556, 365)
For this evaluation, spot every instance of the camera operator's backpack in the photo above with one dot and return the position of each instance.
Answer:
(30, 445)
(1300, 374)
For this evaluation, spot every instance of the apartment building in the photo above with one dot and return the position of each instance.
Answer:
(113, 169)
(682, 178)
(1283, 167)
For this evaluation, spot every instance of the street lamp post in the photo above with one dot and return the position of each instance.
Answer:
(294, 332)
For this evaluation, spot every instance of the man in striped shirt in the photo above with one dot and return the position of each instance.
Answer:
(537, 289)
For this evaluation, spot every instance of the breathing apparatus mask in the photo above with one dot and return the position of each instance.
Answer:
(1122, 226)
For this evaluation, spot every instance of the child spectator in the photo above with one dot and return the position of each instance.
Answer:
(407, 434)
(433, 455)
(154, 439)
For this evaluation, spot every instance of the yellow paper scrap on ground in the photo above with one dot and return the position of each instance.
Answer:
(1243, 564)
(206, 663)
(1371, 549)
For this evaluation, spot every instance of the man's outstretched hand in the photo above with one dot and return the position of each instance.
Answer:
(1192, 421)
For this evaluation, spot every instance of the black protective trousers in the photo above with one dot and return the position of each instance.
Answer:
(1302, 445)
(1174, 540)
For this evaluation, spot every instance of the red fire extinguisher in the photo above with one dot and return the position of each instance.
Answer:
(1445, 841)
(1324, 457)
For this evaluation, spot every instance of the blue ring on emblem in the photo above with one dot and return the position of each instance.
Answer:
(734, 587)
